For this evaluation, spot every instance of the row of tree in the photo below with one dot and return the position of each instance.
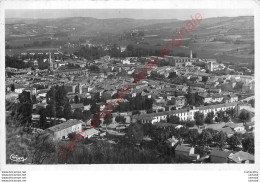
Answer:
(208, 137)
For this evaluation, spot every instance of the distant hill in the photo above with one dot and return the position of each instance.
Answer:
(223, 38)
(82, 24)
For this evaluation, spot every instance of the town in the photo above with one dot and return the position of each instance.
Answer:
(183, 109)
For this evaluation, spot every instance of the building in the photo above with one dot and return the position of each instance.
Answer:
(186, 153)
(172, 141)
(227, 130)
(219, 156)
(183, 114)
(77, 106)
(179, 101)
(178, 62)
(242, 157)
(62, 130)
(91, 132)
(69, 72)
(232, 97)
(236, 127)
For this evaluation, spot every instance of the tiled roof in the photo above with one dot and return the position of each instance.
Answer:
(241, 156)
(183, 148)
(227, 130)
(62, 126)
(91, 131)
(75, 106)
(220, 153)
(182, 111)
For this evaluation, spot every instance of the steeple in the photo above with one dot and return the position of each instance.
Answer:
(191, 54)
(50, 62)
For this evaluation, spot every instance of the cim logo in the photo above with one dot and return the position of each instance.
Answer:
(16, 158)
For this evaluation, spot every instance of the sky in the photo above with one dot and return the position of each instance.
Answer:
(126, 13)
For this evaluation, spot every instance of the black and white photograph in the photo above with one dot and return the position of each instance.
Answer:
(144, 86)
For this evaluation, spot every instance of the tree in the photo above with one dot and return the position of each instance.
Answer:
(220, 116)
(190, 97)
(149, 111)
(148, 104)
(252, 102)
(205, 137)
(175, 93)
(190, 123)
(209, 118)
(25, 97)
(205, 78)
(226, 118)
(58, 102)
(193, 136)
(199, 118)
(59, 112)
(71, 135)
(76, 99)
(172, 75)
(34, 100)
(248, 144)
(77, 114)
(67, 111)
(231, 112)
(94, 108)
(234, 141)
(220, 138)
(120, 119)
(12, 87)
(173, 108)
(198, 99)
(24, 109)
(108, 120)
(244, 116)
(136, 112)
(174, 120)
(86, 114)
(43, 115)
(42, 148)
(135, 133)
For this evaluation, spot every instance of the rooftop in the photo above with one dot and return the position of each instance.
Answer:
(220, 153)
(62, 126)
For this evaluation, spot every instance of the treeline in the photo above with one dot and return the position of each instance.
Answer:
(136, 103)
(130, 51)
(14, 62)
(90, 52)
(131, 148)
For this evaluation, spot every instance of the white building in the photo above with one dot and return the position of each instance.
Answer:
(62, 130)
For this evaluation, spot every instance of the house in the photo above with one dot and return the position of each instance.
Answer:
(219, 156)
(172, 141)
(19, 89)
(91, 132)
(250, 125)
(236, 127)
(77, 106)
(242, 157)
(205, 97)
(232, 97)
(185, 152)
(62, 130)
(217, 98)
(183, 114)
(179, 101)
(228, 131)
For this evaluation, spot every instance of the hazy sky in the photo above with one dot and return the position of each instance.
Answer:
(126, 13)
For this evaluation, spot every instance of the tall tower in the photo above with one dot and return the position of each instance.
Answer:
(50, 62)
(190, 54)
